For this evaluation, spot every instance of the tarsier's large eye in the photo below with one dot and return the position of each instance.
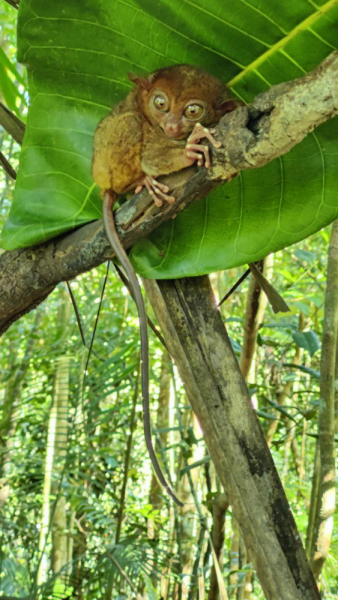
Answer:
(161, 103)
(194, 111)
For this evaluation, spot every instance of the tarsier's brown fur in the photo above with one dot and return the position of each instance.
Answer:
(155, 130)
(131, 141)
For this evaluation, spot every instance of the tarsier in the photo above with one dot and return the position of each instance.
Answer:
(156, 130)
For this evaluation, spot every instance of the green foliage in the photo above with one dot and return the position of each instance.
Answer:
(101, 404)
(99, 425)
(77, 67)
(8, 87)
(99, 420)
(13, 81)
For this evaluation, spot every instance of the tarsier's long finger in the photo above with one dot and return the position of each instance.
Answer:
(155, 189)
(157, 184)
(199, 133)
(195, 156)
(161, 186)
(197, 151)
(159, 193)
(151, 191)
(160, 190)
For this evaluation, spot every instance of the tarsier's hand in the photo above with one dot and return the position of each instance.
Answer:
(193, 152)
(198, 152)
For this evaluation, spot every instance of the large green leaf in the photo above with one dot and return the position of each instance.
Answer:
(78, 55)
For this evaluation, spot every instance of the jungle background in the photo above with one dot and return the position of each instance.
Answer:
(82, 514)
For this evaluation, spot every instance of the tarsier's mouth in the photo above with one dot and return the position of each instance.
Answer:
(182, 135)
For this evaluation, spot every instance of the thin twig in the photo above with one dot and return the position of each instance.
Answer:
(126, 469)
(121, 571)
(77, 313)
(96, 320)
(11, 123)
(234, 287)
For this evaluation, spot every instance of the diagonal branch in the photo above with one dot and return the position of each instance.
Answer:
(7, 167)
(251, 137)
(13, 3)
(11, 123)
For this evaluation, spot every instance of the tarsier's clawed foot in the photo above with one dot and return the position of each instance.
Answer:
(158, 191)
(194, 151)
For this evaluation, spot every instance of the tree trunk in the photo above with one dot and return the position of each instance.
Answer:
(314, 503)
(325, 505)
(55, 520)
(60, 560)
(254, 311)
(47, 484)
(283, 393)
(196, 337)
(219, 508)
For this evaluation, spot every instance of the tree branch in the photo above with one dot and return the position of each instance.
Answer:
(13, 3)
(251, 137)
(7, 167)
(11, 123)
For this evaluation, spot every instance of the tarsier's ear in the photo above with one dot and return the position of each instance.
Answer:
(141, 82)
(229, 104)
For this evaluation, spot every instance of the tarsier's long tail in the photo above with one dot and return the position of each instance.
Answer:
(112, 235)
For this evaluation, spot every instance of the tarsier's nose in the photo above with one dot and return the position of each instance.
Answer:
(172, 129)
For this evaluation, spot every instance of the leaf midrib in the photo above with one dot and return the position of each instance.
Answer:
(304, 25)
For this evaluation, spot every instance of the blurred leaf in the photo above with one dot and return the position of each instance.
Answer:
(265, 415)
(235, 346)
(198, 463)
(151, 592)
(9, 91)
(304, 308)
(251, 46)
(191, 438)
(308, 340)
(264, 341)
(4, 60)
(280, 408)
(312, 372)
(305, 255)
